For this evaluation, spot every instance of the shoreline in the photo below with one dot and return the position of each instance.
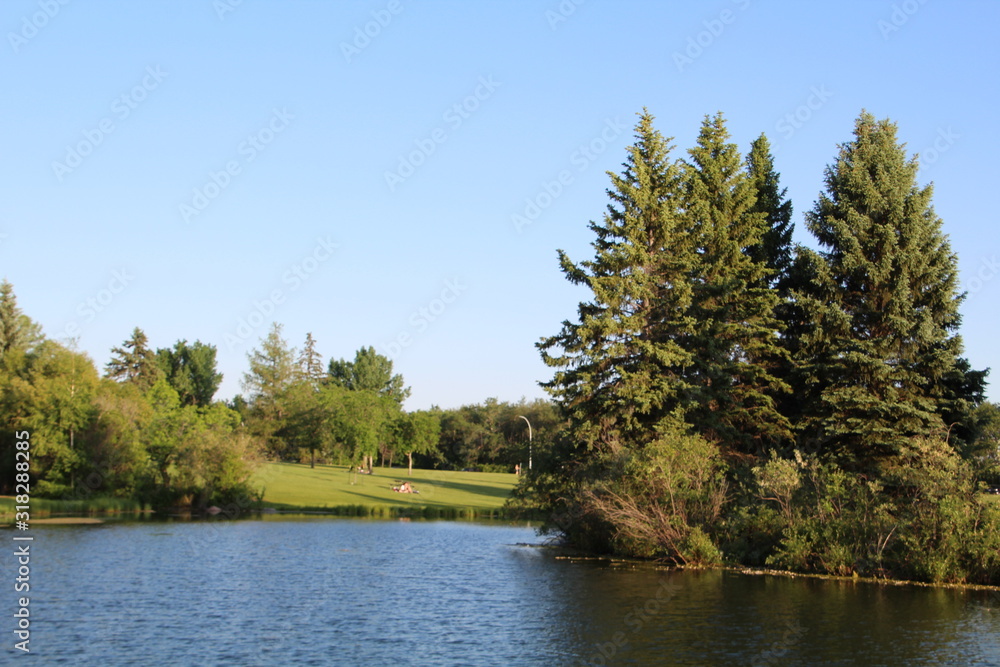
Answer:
(619, 561)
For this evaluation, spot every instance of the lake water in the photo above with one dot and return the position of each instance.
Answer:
(353, 592)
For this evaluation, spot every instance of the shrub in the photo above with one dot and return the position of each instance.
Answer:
(665, 502)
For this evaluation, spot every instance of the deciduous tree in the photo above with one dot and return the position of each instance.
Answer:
(370, 371)
(191, 371)
(418, 434)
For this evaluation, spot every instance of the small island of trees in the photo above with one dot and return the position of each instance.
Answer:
(733, 398)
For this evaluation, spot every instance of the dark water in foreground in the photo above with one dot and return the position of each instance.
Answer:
(351, 592)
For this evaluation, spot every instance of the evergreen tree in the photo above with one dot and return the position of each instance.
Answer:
(619, 368)
(135, 362)
(17, 332)
(735, 347)
(775, 251)
(775, 248)
(10, 319)
(272, 371)
(880, 350)
(311, 362)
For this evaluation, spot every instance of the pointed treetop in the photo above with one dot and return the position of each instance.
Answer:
(310, 362)
(775, 248)
(134, 362)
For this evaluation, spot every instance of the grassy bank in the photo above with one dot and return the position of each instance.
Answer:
(41, 508)
(440, 493)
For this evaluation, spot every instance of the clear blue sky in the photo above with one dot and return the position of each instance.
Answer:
(116, 115)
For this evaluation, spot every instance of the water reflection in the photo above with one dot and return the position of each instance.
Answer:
(357, 592)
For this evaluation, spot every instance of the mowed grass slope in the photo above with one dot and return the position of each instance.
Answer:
(288, 485)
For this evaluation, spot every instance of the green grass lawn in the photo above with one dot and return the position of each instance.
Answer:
(289, 485)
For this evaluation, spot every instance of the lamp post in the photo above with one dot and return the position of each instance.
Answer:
(529, 439)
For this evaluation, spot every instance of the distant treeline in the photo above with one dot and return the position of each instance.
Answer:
(733, 397)
(149, 428)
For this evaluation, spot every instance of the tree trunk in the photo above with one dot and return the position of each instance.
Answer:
(410, 473)
(312, 457)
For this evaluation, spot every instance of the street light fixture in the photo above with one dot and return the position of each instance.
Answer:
(529, 439)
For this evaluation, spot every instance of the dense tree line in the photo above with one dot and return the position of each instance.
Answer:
(353, 414)
(147, 430)
(151, 429)
(350, 413)
(497, 436)
(722, 382)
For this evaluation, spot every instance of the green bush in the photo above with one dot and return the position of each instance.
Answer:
(664, 502)
(836, 522)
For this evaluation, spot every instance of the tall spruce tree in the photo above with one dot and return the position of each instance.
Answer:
(736, 346)
(10, 319)
(775, 251)
(18, 333)
(880, 352)
(310, 363)
(619, 368)
(775, 247)
(134, 362)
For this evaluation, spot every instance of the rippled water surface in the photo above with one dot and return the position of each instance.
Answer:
(351, 592)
